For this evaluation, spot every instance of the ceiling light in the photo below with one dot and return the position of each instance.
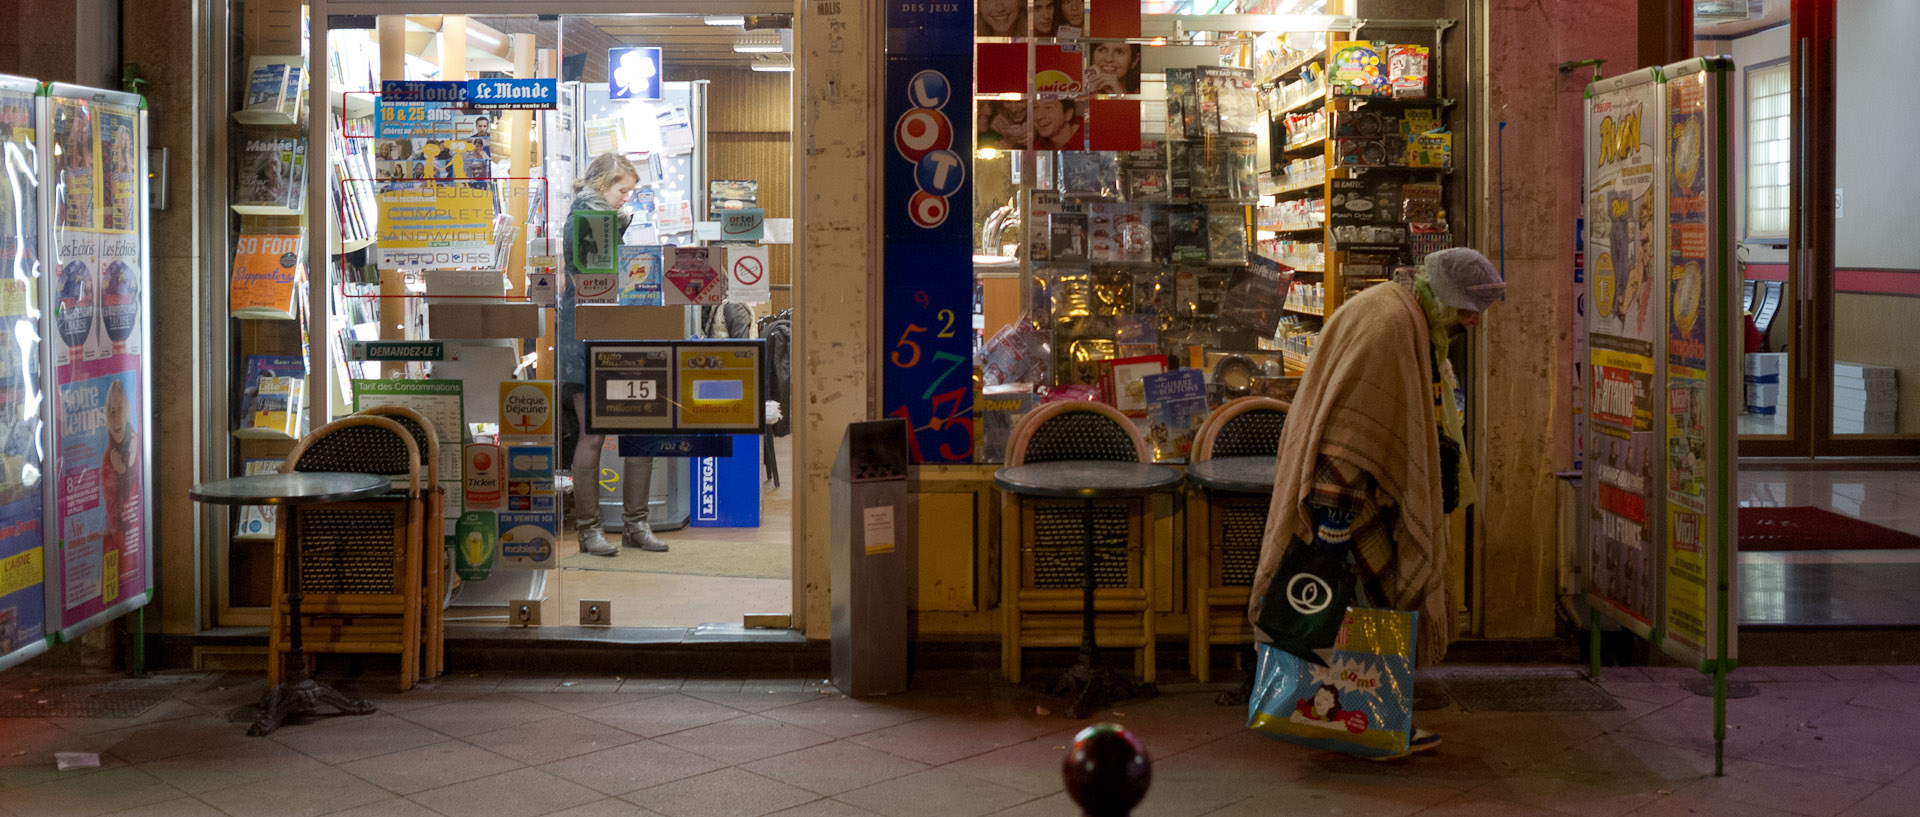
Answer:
(770, 62)
(726, 20)
(758, 44)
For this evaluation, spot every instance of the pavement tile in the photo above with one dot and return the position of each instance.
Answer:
(1797, 791)
(631, 767)
(840, 716)
(945, 738)
(831, 768)
(348, 738)
(103, 792)
(226, 766)
(663, 714)
(551, 739)
(429, 767)
(744, 740)
(476, 715)
(396, 807)
(934, 793)
(610, 807)
(177, 807)
(723, 793)
(310, 794)
(519, 793)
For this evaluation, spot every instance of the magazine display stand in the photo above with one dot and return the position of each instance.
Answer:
(76, 489)
(1663, 374)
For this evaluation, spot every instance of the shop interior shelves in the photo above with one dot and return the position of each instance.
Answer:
(264, 210)
(339, 247)
(1303, 309)
(1419, 102)
(1303, 102)
(1315, 143)
(1293, 68)
(1294, 361)
(1293, 227)
(1296, 187)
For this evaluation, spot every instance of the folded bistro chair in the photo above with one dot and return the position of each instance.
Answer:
(359, 561)
(1043, 546)
(1224, 528)
(434, 555)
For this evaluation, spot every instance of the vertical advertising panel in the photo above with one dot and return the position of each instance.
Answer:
(96, 154)
(1699, 425)
(1624, 475)
(23, 400)
(928, 283)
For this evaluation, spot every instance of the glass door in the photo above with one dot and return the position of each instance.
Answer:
(1831, 288)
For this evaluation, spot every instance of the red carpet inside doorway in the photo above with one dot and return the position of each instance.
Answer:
(1807, 528)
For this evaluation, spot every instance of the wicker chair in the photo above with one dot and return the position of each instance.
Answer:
(1042, 542)
(1224, 529)
(434, 555)
(359, 561)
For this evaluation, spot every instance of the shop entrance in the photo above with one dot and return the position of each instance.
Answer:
(694, 114)
(1831, 285)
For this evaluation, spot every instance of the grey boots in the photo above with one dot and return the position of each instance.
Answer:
(635, 488)
(586, 511)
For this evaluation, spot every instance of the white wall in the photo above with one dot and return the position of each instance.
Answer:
(1876, 120)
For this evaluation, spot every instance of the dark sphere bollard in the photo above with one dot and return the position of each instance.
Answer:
(1107, 770)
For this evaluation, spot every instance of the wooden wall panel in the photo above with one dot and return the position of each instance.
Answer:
(749, 136)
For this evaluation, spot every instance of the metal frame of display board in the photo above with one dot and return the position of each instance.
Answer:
(30, 369)
(92, 354)
(1658, 537)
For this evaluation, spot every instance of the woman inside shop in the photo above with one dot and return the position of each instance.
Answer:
(1057, 125)
(606, 184)
(1113, 68)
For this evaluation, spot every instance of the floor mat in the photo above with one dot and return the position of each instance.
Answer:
(1529, 693)
(120, 698)
(1809, 528)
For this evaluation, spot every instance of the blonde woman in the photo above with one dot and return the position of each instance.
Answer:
(609, 179)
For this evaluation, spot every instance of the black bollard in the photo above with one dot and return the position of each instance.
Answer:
(1107, 770)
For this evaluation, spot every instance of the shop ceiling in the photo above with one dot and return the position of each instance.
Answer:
(686, 40)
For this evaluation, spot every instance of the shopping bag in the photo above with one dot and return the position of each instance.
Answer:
(1360, 703)
(1308, 598)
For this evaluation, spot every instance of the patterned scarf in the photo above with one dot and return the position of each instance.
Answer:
(1440, 318)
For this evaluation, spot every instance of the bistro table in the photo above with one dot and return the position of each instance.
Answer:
(1089, 481)
(299, 693)
(1235, 475)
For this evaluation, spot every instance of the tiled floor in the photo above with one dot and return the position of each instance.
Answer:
(1834, 587)
(1820, 742)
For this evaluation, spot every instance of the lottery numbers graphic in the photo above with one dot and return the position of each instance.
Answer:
(948, 431)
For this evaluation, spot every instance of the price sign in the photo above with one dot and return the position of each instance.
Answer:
(629, 385)
(631, 390)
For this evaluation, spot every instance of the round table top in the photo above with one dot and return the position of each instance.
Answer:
(1085, 479)
(291, 488)
(1240, 475)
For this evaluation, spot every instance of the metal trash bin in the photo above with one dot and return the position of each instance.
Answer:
(874, 559)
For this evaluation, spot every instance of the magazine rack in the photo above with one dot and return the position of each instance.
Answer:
(1043, 542)
(1225, 525)
(360, 561)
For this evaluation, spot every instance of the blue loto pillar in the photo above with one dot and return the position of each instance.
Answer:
(1107, 770)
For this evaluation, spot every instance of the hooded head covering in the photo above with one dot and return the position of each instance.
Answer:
(1464, 279)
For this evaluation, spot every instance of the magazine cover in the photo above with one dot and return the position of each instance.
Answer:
(267, 176)
(640, 276)
(101, 511)
(75, 176)
(76, 296)
(1176, 406)
(265, 271)
(257, 521)
(269, 397)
